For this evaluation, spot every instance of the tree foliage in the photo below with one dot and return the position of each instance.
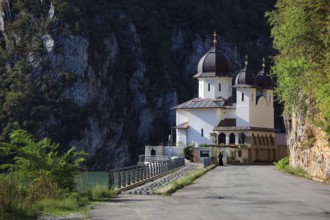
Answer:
(301, 33)
(35, 160)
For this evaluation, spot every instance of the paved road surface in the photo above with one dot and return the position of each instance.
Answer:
(229, 193)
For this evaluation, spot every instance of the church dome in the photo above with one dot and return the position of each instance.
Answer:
(264, 80)
(214, 63)
(245, 78)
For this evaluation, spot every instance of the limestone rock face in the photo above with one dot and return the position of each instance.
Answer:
(309, 147)
(105, 79)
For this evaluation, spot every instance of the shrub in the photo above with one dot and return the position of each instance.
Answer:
(39, 161)
(283, 164)
(188, 153)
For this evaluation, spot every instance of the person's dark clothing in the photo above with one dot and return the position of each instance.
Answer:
(220, 159)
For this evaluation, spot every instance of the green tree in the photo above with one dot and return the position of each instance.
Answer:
(301, 33)
(40, 160)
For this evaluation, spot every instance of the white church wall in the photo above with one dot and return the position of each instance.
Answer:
(181, 116)
(230, 113)
(242, 107)
(223, 87)
(263, 114)
(215, 87)
(201, 119)
(181, 137)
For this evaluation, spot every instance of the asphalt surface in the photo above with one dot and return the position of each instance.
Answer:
(228, 193)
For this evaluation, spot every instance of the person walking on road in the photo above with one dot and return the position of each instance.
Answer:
(220, 159)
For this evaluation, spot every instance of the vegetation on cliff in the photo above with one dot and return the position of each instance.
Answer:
(301, 32)
(137, 61)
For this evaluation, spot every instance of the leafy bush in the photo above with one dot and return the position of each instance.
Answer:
(40, 162)
(188, 152)
(283, 164)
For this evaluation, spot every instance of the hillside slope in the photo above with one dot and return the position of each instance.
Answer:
(103, 75)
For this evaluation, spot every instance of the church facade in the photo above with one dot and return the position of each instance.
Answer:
(234, 112)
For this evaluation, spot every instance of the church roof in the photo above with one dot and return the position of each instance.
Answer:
(229, 124)
(197, 103)
(184, 125)
(264, 80)
(245, 78)
(214, 63)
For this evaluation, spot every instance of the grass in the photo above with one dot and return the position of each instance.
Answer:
(283, 165)
(19, 200)
(60, 207)
(186, 180)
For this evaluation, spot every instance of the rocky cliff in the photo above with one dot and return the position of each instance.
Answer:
(309, 147)
(103, 75)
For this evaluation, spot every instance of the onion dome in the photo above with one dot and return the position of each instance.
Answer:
(214, 63)
(264, 80)
(245, 78)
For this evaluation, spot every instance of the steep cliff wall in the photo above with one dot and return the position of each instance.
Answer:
(309, 147)
(103, 75)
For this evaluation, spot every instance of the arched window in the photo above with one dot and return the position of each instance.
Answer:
(259, 140)
(267, 140)
(222, 138)
(263, 140)
(242, 97)
(232, 138)
(208, 87)
(241, 138)
(271, 140)
(153, 152)
(254, 139)
(219, 87)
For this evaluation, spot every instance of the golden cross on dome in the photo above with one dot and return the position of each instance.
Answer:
(215, 38)
(246, 60)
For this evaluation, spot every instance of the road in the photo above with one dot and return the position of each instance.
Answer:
(228, 193)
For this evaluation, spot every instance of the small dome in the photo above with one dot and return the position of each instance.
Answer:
(264, 80)
(214, 63)
(245, 78)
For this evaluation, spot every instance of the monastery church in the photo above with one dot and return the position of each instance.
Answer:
(233, 112)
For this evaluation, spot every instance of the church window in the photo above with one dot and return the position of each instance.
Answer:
(219, 87)
(222, 138)
(242, 97)
(241, 138)
(271, 140)
(259, 140)
(254, 139)
(263, 140)
(202, 132)
(208, 87)
(232, 138)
